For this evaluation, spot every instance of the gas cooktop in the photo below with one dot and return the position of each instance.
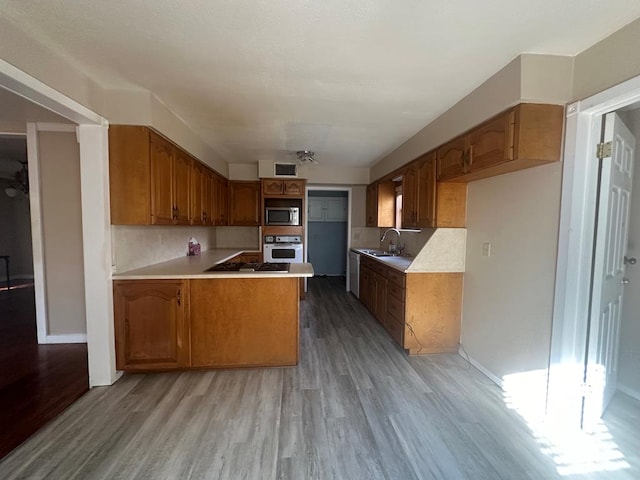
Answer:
(249, 267)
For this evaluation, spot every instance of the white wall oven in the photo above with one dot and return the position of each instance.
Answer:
(283, 248)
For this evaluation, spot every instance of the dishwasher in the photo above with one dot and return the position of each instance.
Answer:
(354, 273)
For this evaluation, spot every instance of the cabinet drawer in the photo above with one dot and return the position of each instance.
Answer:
(366, 262)
(396, 277)
(396, 330)
(396, 291)
(395, 307)
(380, 269)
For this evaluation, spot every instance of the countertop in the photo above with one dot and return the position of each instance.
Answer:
(398, 262)
(194, 267)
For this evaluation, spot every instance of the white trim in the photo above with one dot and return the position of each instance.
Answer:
(94, 173)
(55, 127)
(575, 245)
(96, 247)
(37, 240)
(35, 91)
(481, 368)
(349, 191)
(629, 391)
(67, 338)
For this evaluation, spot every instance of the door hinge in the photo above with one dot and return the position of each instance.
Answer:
(603, 150)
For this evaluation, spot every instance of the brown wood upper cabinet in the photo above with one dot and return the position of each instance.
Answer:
(207, 207)
(419, 193)
(220, 198)
(170, 177)
(287, 187)
(152, 181)
(521, 137)
(244, 203)
(151, 324)
(380, 207)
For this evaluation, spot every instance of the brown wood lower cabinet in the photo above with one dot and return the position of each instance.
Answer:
(421, 311)
(151, 325)
(230, 328)
(207, 323)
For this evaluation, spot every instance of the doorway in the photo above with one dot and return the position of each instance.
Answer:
(593, 355)
(328, 224)
(43, 369)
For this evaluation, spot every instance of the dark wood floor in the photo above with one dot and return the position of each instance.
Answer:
(37, 382)
(356, 407)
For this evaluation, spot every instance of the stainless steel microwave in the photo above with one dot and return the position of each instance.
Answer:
(282, 216)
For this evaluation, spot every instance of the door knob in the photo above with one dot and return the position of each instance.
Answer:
(630, 260)
(624, 281)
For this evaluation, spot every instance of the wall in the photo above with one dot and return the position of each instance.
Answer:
(62, 232)
(118, 107)
(248, 172)
(322, 174)
(608, 62)
(239, 237)
(138, 246)
(508, 296)
(629, 359)
(15, 240)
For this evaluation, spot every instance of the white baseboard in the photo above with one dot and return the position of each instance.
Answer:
(629, 391)
(483, 370)
(67, 338)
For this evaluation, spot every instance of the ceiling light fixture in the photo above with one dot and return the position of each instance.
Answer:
(306, 156)
(20, 183)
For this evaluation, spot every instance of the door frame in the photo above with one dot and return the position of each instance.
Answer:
(575, 245)
(92, 131)
(306, 223)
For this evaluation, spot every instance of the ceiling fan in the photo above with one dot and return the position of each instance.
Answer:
(306, 157)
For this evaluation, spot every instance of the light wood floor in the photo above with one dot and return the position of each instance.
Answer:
(355, 408)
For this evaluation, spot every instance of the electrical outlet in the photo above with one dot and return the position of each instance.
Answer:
(486, 249)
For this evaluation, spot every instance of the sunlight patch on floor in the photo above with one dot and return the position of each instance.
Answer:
(573, 450)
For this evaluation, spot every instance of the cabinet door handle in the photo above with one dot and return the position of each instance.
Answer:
(178, 298)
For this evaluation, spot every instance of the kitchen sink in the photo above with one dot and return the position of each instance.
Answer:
(378, 253)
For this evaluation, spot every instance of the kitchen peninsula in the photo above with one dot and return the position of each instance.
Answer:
(176, 315)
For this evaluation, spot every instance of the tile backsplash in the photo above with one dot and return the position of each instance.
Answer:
(362, 237)
(136, 246)
(238, 237)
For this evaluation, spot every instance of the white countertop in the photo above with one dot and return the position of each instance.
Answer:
(195, 266)
(398, 262)
(444, 252)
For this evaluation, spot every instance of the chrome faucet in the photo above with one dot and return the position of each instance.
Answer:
(384, 235)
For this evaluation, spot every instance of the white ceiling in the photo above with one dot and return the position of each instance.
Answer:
(349, 79)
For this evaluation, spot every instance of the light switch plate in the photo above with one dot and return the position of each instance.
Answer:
(486, 249)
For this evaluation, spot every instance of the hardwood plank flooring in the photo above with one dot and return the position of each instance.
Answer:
(37, 382)
(356, 407)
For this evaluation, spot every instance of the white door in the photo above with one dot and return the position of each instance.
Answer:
(609, 282)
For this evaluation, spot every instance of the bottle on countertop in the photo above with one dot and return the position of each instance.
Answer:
(193, 247)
